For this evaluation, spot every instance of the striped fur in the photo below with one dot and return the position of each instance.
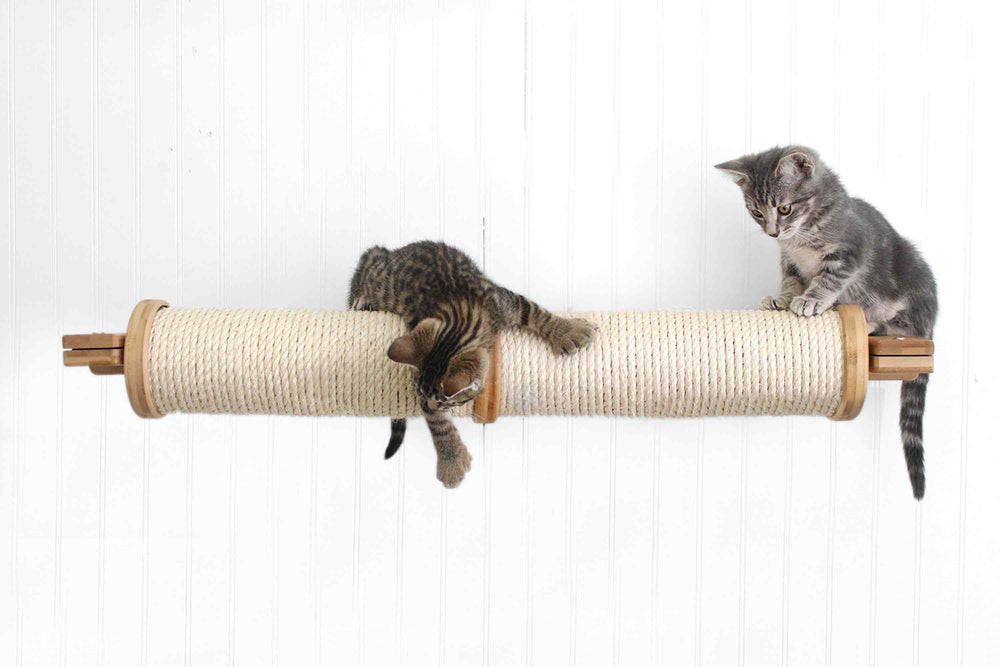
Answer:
(454, 314)
(911, 426)
(838, 249)
(396, 435)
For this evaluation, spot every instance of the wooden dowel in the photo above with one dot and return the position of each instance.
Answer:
(93, 341)
(901, 365)
(886, 376)
(107, 370)
(98, 357)
(894, 346)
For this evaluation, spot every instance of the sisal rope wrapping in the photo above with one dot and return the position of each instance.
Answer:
(640, 364)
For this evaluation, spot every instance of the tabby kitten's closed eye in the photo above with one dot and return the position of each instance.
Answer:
(838, 249)
(454, 314)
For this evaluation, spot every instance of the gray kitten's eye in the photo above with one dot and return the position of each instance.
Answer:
(784, 210)
(755, 213)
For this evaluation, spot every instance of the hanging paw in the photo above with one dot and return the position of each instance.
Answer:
(774, 303)
(569, 335)
(806, 307)
(451, 469)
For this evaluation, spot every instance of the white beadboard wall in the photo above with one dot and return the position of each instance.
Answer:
(242, 154)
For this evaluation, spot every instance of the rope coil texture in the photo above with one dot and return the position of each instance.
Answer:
(640, 364)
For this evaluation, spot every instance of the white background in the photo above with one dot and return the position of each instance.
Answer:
(239, 154)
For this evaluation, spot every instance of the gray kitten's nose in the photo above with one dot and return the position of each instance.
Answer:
(432, 404)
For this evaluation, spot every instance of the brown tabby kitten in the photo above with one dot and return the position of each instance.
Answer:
(454, 314)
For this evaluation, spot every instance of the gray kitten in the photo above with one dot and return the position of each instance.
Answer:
(838, 249)
(454, 314)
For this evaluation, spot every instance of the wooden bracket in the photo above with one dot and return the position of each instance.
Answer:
(899, 358)
(120, 354)
(103, 353)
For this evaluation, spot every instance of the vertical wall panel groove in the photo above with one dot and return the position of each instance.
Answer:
(970, 133)
(58, 616)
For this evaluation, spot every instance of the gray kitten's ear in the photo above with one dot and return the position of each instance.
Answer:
(736, 170)
(795, 167)
(410, 348)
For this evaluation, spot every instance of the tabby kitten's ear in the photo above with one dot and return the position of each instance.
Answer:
(466, 372)
(795, 167)
(736, 171)
(461, 382)
(412, 347)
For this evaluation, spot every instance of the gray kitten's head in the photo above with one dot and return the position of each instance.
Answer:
(787, 190)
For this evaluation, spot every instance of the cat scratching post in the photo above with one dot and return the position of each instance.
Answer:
(640, 364)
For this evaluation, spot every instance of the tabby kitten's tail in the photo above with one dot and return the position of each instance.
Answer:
(396, 434)
(911, 426)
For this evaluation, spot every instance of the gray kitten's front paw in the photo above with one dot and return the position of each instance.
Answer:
(774, 303)
(569, 335)
(805, 307)
(451, 470)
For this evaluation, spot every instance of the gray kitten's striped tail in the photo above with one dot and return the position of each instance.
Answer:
(395, 437)
(911, 427)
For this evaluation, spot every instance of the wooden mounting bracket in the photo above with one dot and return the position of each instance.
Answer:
(899, 358)
(103, 353)
(120, 354)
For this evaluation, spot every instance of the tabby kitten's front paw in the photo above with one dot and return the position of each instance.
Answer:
(451, 469)
(774, 303)
(569, 335)
(806, 307)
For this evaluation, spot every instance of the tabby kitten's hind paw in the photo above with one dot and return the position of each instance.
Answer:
(774, 303)
(451, 469)
(569, 335)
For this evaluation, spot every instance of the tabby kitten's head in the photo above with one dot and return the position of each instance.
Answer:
(786, 190)
(451, 364)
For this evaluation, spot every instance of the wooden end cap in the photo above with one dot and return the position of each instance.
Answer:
(855, 341)
(486, 407)
(140, 325)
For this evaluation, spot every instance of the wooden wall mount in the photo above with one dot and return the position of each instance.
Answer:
(899, 357)
(120, 354)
